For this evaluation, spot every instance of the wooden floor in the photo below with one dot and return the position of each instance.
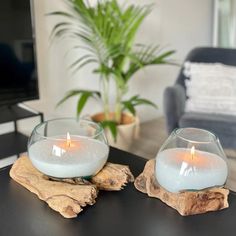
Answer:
(152, 135)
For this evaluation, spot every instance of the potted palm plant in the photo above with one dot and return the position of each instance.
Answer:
(106, 33)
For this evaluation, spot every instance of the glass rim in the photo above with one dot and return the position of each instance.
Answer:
(178, 131)
(100, 128)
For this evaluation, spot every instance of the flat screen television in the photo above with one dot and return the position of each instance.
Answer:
(18, 74)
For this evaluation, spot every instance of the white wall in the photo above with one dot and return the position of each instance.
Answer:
(176, 24)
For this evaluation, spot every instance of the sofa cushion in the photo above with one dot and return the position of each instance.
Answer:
(224, 126)
(211, 88)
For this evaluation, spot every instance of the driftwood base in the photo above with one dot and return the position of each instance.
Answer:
(69, 196)
(186, 203)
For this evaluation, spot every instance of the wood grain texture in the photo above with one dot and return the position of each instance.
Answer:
(113, 177)
(187, 202)
(69, 196)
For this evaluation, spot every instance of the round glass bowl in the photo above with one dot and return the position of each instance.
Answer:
(191, 159)
(67, 148)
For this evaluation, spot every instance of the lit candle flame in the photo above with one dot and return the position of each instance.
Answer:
(192, 151)
(68, 140)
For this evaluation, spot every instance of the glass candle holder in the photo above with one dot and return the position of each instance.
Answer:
(191, 159)
(67, 148)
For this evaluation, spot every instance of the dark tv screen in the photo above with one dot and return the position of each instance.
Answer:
(18, 75)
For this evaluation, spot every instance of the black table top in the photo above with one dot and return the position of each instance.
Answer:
(127, 212)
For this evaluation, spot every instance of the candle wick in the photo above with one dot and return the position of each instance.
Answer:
(68, 140)
(68, 143)
(192, 151)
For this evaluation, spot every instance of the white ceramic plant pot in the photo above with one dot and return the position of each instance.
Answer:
(126, 132)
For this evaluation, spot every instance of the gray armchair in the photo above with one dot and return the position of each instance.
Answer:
(224, 126)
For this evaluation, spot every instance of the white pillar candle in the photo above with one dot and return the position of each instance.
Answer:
(80, 157)
(177, 170)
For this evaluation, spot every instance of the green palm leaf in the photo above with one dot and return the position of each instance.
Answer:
(107, 29)
(136, 101)
(112, 126)
(84, 95)
(146, 56)
(82, 101)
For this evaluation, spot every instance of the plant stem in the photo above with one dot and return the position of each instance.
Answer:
(118, 105)
(105, 97)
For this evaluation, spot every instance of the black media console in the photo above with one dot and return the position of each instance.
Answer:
(14, 143)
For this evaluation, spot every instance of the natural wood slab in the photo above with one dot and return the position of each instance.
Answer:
(68, 196)
(113, 177)
(187, 202)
